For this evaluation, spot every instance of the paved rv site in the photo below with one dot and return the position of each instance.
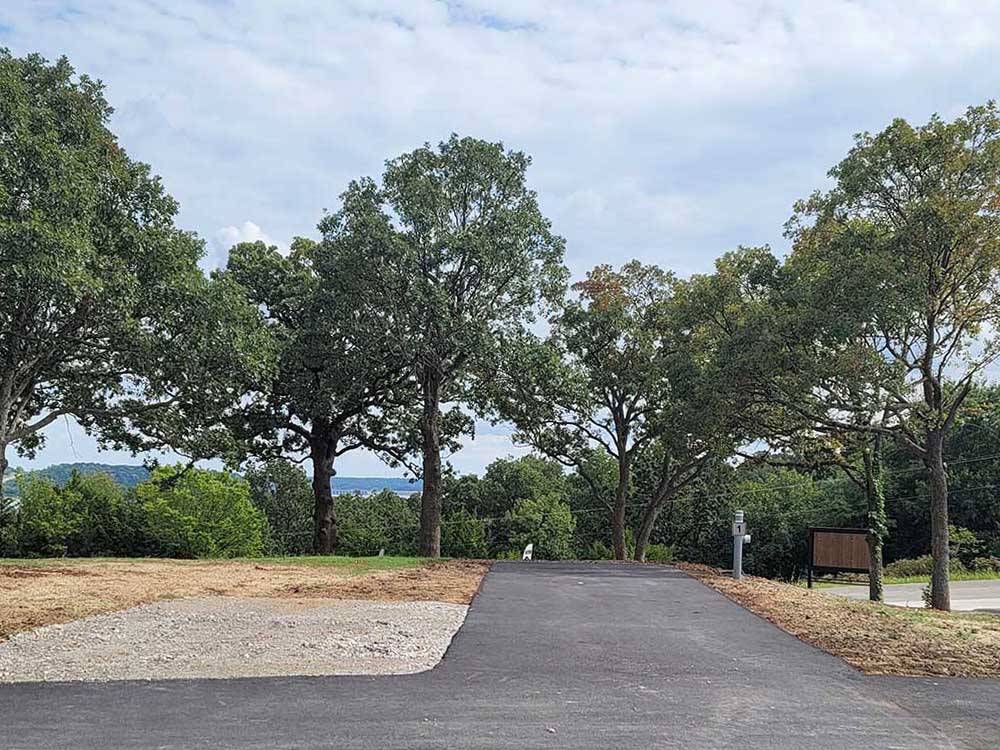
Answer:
(554, 655)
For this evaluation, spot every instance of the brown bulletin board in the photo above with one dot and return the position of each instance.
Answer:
(834, 550)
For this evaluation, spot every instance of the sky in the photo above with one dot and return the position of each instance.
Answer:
(664, 131)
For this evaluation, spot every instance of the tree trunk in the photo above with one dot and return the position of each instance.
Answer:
(322, 452)
(618, 512)
(3, 467)
(645, 529)
(875, 498)
(940, 594)
(430, 498)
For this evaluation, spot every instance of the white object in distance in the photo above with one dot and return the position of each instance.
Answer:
(527, 552)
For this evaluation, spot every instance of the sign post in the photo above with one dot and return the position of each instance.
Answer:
(739, 536)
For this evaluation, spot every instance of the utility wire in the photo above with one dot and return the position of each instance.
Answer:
(714, 496)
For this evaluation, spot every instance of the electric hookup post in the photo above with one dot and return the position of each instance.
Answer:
(740, 537)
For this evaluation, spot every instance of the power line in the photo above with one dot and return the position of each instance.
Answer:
(731, 493)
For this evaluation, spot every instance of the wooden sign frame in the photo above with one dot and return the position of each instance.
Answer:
(844, 560)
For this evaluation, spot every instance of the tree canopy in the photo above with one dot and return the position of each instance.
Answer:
(470, 263)
(105, 315)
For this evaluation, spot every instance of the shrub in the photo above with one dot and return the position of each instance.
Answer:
(381, 520)
(8, 527)
(661, 553)
(199, 513)
(89, 516)
(964, 545)
(986, 565)
(281, 491)
(463, 535)
(918, 566)
(596, 550)
(547, 523)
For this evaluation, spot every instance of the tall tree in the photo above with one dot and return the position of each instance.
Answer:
(750, 314)
(473, 262)
(888, 303)
(595, 382)
(104, 313)
(910, 235)
(341, 382)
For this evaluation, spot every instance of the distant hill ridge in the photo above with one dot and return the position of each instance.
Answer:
(129, 475)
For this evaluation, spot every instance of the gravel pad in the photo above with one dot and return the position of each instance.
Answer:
(236, 637)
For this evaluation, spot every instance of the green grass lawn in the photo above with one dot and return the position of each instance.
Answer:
(352, 565)
(963, 575)
(958, 575)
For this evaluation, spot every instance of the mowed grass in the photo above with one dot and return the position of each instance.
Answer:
(344, 565)
(957, 575)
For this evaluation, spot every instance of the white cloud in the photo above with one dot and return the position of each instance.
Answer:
(223, 240)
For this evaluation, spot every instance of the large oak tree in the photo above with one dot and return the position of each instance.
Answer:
(104, 314)
(472, 262)
(342, 380)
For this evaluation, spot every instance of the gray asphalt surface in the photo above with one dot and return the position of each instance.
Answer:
(552, 655)
(966, 596)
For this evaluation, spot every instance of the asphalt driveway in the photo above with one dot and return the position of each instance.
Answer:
(552, 655)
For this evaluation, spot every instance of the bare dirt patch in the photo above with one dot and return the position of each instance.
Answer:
(33, 595)
(454, 581)
(875, 638)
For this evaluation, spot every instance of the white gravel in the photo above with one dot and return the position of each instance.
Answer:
(236, 637)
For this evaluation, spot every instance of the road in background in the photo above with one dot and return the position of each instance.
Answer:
(966, 596)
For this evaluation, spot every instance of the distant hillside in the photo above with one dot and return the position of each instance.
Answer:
(365, 485)
(129, 476)
(125, 475)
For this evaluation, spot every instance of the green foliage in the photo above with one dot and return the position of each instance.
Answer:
(199, 513)
(965, 546)
(973, 475)
(546, 522)
(104, 312)
(916, 567)
(88, 516)
(281, 491)
(508, 480)
(8, 524)
(589, 492)
(465, 279)
(660, 553)
(596, 550)
(381, 520)
(779, 506)
(491, 497)
(463, 535)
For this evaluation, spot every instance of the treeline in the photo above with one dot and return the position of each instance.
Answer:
(189, 513)
(418, 309)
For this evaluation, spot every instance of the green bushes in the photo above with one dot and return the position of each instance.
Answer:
(89, 516)
(199, 513)
(547, 523)
(381, 520)
(463, 535)
(281, 491)
(968, 554)
(176, 513)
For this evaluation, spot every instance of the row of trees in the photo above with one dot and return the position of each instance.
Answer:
(419, 307)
